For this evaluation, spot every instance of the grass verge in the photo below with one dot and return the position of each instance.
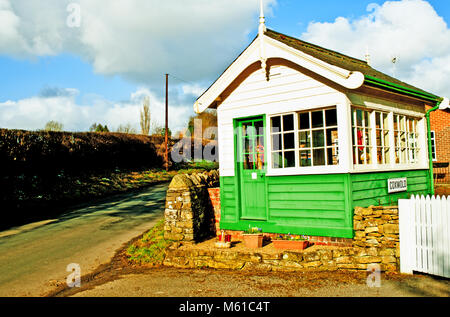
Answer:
(151, 248)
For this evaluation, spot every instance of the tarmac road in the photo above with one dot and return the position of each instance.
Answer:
(34, 257)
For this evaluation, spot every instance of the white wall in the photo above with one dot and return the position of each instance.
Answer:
(288, 90)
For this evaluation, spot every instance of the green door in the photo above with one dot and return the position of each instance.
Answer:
(251, 168)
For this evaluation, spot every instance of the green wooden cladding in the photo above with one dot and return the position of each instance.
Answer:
(318, 205)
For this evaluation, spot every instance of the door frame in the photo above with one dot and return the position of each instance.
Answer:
(237, 167)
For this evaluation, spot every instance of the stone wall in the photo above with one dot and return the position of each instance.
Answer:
(376, 241)
(377, 233)
(192, 214)
(189, 215)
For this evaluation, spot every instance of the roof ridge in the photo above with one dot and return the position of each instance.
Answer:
(337, 59)
(315, 46)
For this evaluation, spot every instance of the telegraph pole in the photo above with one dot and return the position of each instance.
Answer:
(167, 123)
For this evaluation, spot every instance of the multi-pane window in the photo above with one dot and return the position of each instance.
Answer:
(318, 138)
(310, 138)
(282, 133)
(433, 145)
(382, 137)
(305, 139)
(253, 145)
(361, 131)
(406, 140)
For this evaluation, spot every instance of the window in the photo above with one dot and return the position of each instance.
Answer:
(373, 132)
(318, 138)
(433, 145)
(253, 145)
(305, 139)
(382, 137)
(406, 140)
(283, 141)
(361, 131)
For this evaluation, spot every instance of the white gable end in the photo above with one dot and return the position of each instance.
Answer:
(264, 48)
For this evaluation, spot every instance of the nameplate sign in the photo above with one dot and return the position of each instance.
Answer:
(397, 185)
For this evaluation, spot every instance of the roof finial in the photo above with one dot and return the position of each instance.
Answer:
(262, 20)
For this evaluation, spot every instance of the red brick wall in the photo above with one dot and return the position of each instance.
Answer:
(214, 196)
(440, 123)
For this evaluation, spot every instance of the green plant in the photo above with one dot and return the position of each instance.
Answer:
(151, 248)
(291, 237)
(253, 230)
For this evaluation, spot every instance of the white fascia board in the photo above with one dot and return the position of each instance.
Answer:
(276, 49)
(341, 76)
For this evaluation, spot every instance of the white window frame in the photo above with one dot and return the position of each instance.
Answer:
(433, 145)
(419, 141)
(307, 170)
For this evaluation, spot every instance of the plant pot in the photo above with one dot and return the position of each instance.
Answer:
(290, 244)
(253, 241)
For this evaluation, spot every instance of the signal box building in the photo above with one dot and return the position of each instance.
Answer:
(306, 134)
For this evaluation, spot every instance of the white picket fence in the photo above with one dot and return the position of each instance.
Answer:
(425, 235)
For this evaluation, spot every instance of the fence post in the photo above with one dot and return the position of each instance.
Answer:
(407, 234)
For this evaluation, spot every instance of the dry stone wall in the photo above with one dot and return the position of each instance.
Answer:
(376, 241)
(192, 214)
(189, 215)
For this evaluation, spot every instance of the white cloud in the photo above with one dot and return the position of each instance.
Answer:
(33, 113)
(140, 40)
(410, 30)
(193, 89)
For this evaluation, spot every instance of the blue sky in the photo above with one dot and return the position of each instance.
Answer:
(100, 71)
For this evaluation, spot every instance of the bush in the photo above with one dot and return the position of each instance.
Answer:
(46, 152)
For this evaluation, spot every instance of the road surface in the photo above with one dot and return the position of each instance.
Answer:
(34, 257)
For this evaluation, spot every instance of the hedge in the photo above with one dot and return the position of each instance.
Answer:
(42, 152)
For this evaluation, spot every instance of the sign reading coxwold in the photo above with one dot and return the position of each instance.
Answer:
(397, 185)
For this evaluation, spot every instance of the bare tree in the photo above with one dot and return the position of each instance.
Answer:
(145, 116)
(53, 126)
(127, 128)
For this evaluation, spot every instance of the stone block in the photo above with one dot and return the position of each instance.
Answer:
(313, 264)
(372, 242)
(325, 255)
(344, 260)
(343, 252)
(390, 228)
(367, 211)
(311, 256)
(388, 259)
(371, 229)
(249, 266)
(358, 225)
(368, 259)
(173, 236)
(359, 211)
(387, 252)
